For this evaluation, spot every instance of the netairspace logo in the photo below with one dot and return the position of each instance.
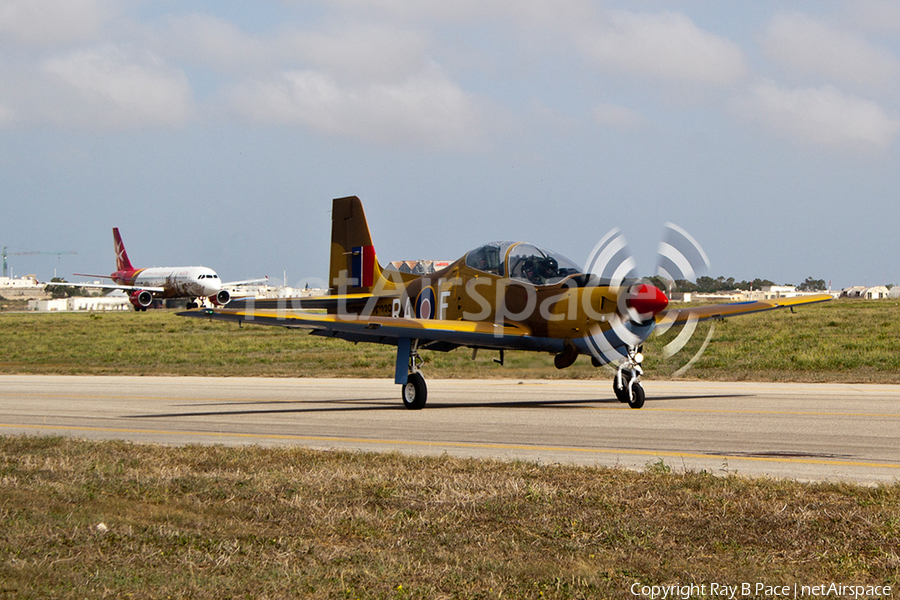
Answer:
(759, 590)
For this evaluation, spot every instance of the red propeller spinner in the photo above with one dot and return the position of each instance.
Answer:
(648, 300)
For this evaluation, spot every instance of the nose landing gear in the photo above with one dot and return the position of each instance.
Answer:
(627, 382)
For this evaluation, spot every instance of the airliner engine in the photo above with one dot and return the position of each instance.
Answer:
(221, 299)
(140, 299)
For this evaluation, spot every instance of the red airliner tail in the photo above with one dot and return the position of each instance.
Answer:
(122, 262)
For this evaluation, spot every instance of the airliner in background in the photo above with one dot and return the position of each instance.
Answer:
(143, 285)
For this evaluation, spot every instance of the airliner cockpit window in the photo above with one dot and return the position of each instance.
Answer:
(539, 266)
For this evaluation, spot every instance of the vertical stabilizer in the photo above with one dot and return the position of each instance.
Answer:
(122, 262)
(354, 266)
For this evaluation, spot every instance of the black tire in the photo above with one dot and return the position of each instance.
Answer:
(622, 394)
(637, 399)
(414, 392)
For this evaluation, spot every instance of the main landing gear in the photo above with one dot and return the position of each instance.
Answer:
(409, 375)
(414, 392)
(627, 382)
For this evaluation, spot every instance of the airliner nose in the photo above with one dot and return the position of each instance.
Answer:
(209, 283)
(648, 300)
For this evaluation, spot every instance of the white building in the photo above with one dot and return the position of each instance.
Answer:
(77, 303)
(22, 288)
(877, 292)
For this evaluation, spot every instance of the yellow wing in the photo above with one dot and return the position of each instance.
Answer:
(433, 334)
(680, 316)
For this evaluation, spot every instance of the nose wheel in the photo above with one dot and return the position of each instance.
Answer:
(627, 382)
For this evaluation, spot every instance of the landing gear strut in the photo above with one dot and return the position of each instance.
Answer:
(409, 375)
(627, 382)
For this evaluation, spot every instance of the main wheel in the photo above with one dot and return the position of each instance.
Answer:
(415, 392)
(637, 399)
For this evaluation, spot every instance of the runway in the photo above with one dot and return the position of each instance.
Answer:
(809, 432)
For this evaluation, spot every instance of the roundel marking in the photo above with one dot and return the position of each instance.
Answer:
(425, 304)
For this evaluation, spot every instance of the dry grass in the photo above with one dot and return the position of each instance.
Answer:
(217, 522)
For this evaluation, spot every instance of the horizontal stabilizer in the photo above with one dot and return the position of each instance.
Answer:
(349, 302)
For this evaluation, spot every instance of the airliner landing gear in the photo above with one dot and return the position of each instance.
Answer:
(192, 303)
(627, 382)
(414, 390)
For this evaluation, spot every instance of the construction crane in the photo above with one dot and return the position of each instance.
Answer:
(5, 254)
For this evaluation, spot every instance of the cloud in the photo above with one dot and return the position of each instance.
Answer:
(620, 117)
(108, 86)
(875, 15)
(805, 45)
(7, 116)
(425, 109)
(821, 115)
(664, 45)
(363, 51)
(526, 13)
(49, 22)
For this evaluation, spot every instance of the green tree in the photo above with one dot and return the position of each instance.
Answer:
(812, 285)
(64, 291)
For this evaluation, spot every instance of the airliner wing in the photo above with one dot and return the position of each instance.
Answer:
(245, 281)
(680, 316)
(108, 286)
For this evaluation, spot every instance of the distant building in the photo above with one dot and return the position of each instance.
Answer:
(22, 288)
(417, 267)
(79, 303)
(877, 292)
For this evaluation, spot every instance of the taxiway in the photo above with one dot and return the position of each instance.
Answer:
(811, 432)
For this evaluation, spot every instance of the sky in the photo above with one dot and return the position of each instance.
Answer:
(217, 133)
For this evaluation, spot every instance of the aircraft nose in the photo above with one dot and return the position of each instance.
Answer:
(648, 300)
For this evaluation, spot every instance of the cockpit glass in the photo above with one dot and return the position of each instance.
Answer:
(539, 266)
(489, 258)
(526, 262)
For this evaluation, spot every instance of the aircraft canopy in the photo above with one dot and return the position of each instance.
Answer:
(522, 261)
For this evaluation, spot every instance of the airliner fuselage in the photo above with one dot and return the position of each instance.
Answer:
(177, 282)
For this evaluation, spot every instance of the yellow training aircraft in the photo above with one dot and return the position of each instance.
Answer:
(500, 296)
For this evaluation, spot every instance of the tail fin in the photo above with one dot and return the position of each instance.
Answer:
(122, 262)
(354, 266)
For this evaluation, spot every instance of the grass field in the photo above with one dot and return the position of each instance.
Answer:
(847, 341)
(248, 522)
(217, 522)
